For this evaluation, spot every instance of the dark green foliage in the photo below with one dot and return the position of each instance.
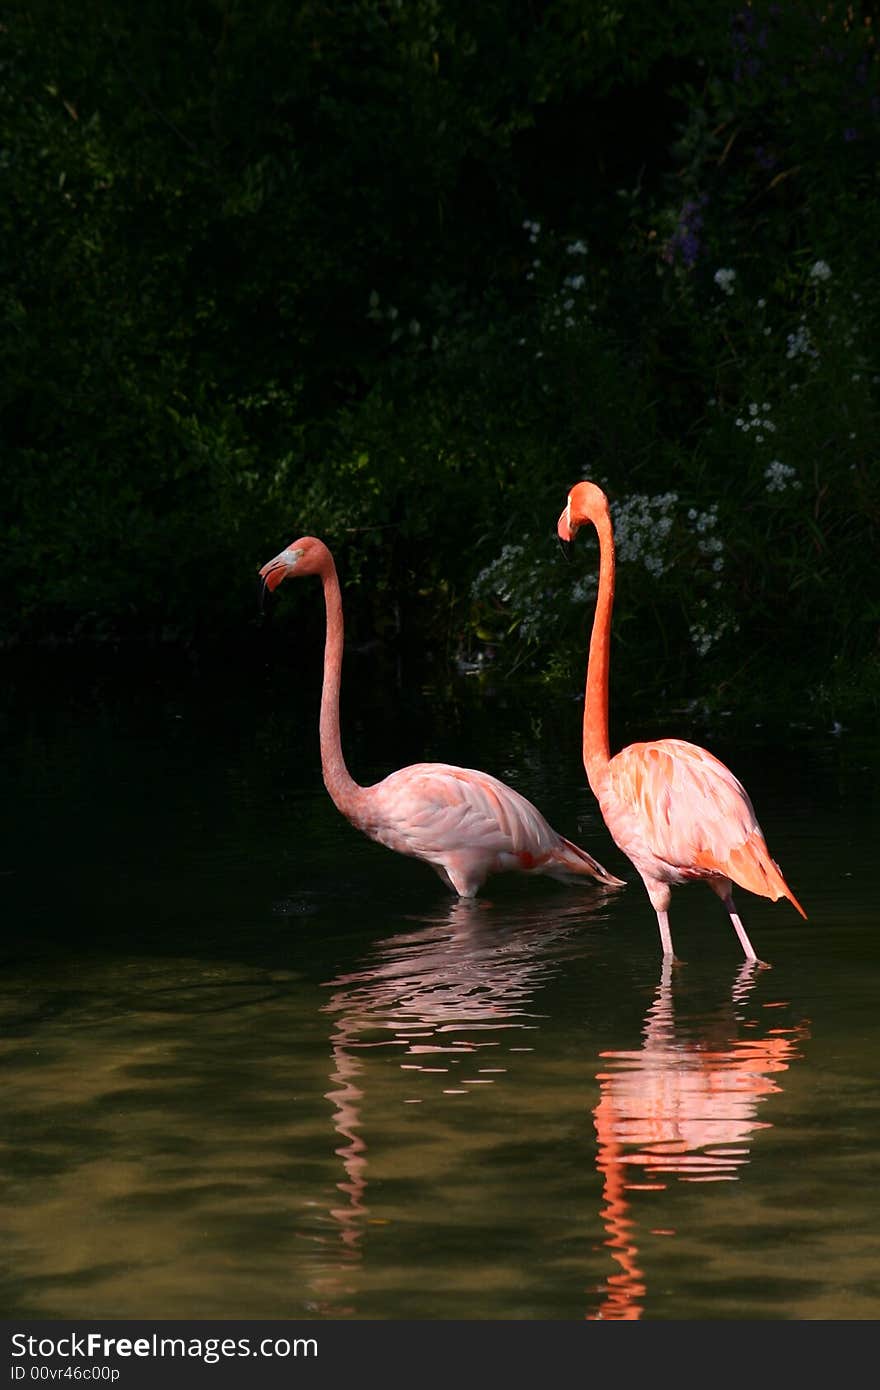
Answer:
(273, 268)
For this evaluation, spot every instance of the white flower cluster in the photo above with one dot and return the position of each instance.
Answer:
(821, 270)
(704, 637)
(724, 280)
(499, 577)
(704, 521)
(525, 585)
(708, 544)
(641, 526)
(534, 231)
(781, 476)
(799, 344)
(584, 588)
(562, 308)
(703, 634)
(522, 583)
(559, 306)
(391, 314)
(756, 422)
(563, 305)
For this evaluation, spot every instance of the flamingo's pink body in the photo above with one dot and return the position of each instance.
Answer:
(673, 808)
(465, 824)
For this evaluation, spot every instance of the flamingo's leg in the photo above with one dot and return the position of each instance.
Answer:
(465, 878)
(740, 930)
(665, 935)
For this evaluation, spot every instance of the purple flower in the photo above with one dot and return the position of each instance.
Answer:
(684, 244)
(690, 248)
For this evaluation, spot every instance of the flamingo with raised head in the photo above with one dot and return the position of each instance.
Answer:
(465, 824)
(671, 806)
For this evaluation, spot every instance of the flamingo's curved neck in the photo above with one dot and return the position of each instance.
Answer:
(597, 752)
(342, 788)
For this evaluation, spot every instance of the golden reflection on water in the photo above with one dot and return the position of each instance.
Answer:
(683, 1107)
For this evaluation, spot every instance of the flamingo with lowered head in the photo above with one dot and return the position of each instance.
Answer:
(673, 808)
(465, 824)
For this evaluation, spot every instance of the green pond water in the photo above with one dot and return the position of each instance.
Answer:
(252, 1065)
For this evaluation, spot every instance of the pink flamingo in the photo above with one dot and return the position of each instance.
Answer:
(465, 824)
(673, 808)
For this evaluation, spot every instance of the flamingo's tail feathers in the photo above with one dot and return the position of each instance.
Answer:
(793, 900)
(571, 859)
(751, 867)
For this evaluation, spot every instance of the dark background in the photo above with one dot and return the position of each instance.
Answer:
(399, 274)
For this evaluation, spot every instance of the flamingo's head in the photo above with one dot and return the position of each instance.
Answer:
(308, 555)
(586, 502)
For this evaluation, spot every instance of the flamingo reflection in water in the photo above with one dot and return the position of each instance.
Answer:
(450, 1001)
(685, 1106)
(443, 998)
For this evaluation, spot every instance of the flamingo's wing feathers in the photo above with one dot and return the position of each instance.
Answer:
(470, 825)
(688, 804)
(429, 809)
(693, 814)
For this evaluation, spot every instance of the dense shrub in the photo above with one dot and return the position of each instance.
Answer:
(399, 274)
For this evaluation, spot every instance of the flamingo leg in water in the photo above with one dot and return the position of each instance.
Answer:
(740, 930)
(462, 880)
(665, 934)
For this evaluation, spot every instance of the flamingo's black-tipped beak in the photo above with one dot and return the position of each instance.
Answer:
(271, 576)
(277, 569)
(274, 571)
